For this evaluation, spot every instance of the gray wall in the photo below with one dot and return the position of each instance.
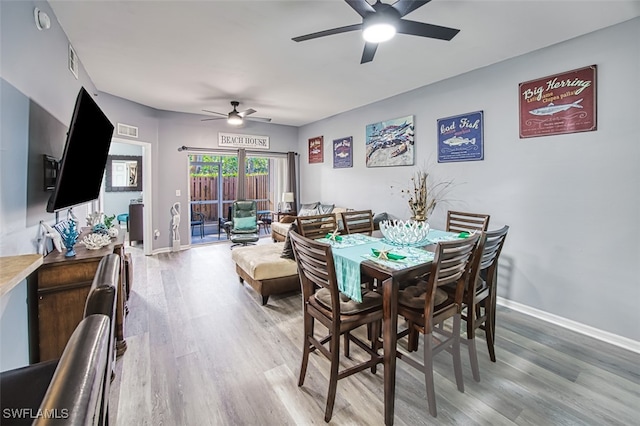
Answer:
(572, 201)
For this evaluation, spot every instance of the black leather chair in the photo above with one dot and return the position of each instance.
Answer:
(75, 388)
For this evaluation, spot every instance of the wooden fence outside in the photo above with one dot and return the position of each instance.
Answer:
(205, 190)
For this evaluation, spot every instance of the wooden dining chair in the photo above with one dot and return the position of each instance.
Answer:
(358, 221)
(425, 304)
(463, 221)
(479, 302)
(323, 301)
(316, 226)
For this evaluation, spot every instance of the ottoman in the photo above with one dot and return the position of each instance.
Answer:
(262, 267)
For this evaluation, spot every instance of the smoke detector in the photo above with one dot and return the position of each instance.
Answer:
(42, 19)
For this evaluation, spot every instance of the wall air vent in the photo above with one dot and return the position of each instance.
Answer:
(126, 130)
(73, 61)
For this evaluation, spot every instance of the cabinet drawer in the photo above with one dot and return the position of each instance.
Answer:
(66, 273)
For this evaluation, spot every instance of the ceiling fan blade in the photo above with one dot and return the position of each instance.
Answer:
(332, 31)
(368, 52)
(213, 112)
(425, 30)
(362, 7)
(213, 118)
(246, 112)
(404, 7)
(266, 120)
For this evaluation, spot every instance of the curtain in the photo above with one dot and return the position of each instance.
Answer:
(242, 167)
(278, 176)
(291, 177)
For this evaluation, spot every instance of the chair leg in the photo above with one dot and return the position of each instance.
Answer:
(308, 331)
(333, 378)
(457, 360)
(473, 358)
(375, 331)
(489, 328)
(412, 342)
(346, 344)
(428, 374)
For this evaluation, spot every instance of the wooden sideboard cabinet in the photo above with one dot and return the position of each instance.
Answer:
(57, 295)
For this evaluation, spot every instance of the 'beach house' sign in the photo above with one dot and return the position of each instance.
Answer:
(243, 141)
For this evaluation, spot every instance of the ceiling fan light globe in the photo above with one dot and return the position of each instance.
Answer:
(378, 32)
(234, 120)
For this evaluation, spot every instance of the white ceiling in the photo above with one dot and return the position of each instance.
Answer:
(188, 56)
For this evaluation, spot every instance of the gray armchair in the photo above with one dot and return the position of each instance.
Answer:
(244, 219)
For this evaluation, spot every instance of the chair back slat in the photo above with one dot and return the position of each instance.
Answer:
(463, 221)
(359, 221)
(493, 247)
(317, 226)
(451, 265)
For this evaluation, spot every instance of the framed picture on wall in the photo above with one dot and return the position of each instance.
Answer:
(343, 153)
(390, 143)
(558, 104)
(460, 138)
(316, 154)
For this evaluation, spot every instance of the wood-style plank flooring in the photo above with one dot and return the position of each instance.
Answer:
(203, 351)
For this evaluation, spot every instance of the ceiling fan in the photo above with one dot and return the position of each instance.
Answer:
(381, 21)
(234, 117)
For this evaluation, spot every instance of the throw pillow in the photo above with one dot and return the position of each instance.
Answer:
(310, 209)
(245, 223)
(287, 251)
(325, 208)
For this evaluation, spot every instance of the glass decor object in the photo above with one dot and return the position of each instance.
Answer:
(69, 232)
(405, 233)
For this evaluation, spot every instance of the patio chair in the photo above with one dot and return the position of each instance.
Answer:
(197, 219)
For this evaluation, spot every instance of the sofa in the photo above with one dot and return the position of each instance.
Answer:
(72, 390)
(280, 229)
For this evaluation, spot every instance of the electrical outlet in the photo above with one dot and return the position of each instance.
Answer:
(177, 192)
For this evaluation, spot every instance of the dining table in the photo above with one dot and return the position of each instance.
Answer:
(354, 256)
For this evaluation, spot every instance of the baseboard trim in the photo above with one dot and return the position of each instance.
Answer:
(605, 336)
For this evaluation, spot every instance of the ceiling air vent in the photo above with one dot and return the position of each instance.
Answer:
(126, 130)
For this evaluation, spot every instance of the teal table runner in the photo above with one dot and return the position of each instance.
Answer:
(352, 249)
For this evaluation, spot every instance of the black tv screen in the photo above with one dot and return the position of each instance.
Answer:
(84, 157)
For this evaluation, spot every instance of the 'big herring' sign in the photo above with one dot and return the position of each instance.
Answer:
(243, 141)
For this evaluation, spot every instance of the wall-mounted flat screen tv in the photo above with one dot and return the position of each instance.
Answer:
(84, 157)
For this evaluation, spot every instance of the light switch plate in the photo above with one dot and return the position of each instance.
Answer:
(177, 192)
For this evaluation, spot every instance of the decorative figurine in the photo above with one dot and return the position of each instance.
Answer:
(69, 232)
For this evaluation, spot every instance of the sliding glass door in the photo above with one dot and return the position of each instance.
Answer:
(214, 187)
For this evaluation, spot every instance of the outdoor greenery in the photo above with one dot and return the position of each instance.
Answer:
(255, 165)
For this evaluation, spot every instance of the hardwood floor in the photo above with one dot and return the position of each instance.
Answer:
(203, 351)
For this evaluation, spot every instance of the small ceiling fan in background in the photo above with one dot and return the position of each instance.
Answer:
(381, 21)
(235, 117)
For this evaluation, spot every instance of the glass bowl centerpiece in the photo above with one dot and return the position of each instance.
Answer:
(404, 233)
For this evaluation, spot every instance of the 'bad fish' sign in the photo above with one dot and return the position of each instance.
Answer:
(460, 138)
(561, 103)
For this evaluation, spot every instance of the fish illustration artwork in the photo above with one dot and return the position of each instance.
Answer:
(552, 109)
(458, 141)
